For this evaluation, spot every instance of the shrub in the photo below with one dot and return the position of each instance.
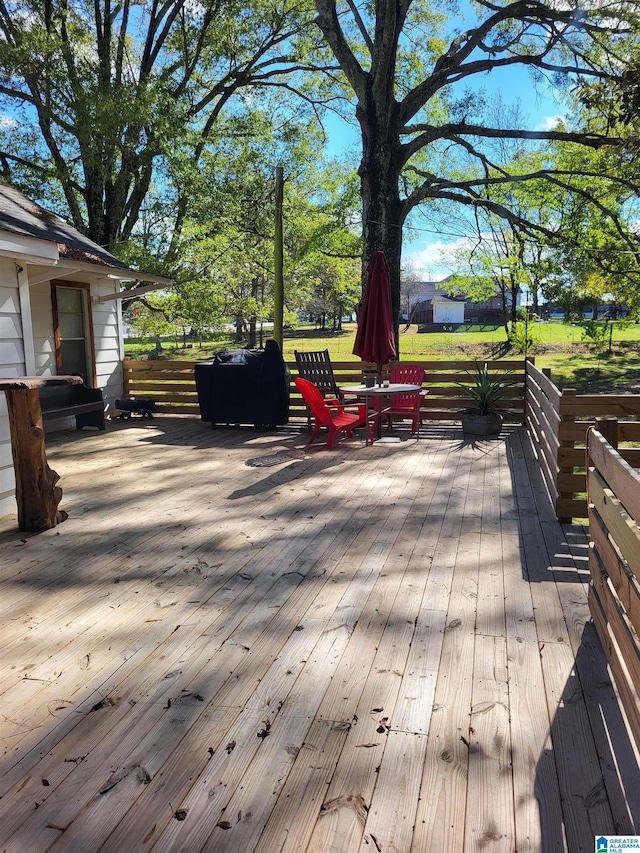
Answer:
(521, 336)
(598, 334)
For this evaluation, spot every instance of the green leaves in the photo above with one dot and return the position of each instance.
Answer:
(115, 96)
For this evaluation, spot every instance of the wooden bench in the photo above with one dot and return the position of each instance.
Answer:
(63, 401)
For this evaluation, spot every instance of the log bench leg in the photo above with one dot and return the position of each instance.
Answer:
(37, 494)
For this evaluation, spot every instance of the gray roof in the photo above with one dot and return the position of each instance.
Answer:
(424, 290)
(20, 215)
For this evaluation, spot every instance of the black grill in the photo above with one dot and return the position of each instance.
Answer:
(244, 386)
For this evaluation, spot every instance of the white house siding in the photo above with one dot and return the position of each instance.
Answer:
(34, 244)
(11, 364)
(106, 332)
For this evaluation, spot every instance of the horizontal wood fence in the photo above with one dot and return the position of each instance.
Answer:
(172, 385)
(558, 422)
(542, 417)
(614, 562)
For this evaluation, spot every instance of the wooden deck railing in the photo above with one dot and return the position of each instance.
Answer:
(558, 422)
(542, 417)
(614, 560)
(171, 384)
(446, 397)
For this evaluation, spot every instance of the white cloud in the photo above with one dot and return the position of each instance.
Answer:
(550, 122)
(438, 259)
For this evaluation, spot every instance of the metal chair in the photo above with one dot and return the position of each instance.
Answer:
(331, 414)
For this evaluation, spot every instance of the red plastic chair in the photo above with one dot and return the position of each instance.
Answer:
(407, 405)
(328, 414)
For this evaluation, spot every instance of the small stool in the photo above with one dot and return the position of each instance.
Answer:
(136, 405)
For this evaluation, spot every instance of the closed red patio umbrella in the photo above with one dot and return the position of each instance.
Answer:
(375, 339)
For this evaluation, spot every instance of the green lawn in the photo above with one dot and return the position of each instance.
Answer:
(560, 346)
(590, 372)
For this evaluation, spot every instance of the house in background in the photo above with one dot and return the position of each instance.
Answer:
(446, 310)
(418, 293)
(60, 310)
(486, 311)
(434, 304)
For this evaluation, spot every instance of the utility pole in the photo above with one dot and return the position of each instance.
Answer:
(278, 289)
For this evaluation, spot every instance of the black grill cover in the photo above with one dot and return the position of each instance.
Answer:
(244, 386)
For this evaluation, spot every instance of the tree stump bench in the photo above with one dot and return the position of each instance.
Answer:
(37, 492)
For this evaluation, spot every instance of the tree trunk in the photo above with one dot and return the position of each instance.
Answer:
(505, 307)
(253, 320)
(514, 300)
(239, 323)
(252, 337)
(382, 210)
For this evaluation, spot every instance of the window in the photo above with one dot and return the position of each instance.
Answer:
(73, 330)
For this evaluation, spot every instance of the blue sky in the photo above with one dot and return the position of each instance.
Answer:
(430, 254)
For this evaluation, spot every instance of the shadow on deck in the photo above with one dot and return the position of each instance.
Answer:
(239, 643)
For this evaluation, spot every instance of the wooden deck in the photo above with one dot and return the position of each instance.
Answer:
(233, 644)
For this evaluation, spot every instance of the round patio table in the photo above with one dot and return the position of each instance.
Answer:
(378, 392)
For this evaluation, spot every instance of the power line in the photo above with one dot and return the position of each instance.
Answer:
(411, 227)
(474, 237)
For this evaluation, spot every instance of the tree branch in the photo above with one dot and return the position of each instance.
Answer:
(431, 133)
(450, 66)
(327, 20)
(360, 24)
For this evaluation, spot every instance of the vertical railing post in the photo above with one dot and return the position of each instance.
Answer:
(529, 360)
(567, 419)
(126, 364)
(607, 426)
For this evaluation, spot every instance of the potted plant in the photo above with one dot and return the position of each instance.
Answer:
(483, 417)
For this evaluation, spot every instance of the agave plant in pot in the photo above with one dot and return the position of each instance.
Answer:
(485, 392)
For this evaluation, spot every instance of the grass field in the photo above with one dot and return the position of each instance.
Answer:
(574, 363)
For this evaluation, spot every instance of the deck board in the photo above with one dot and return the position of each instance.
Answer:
(372, 648)
(490, 818)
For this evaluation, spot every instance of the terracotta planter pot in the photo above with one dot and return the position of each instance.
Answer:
(476, 424)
